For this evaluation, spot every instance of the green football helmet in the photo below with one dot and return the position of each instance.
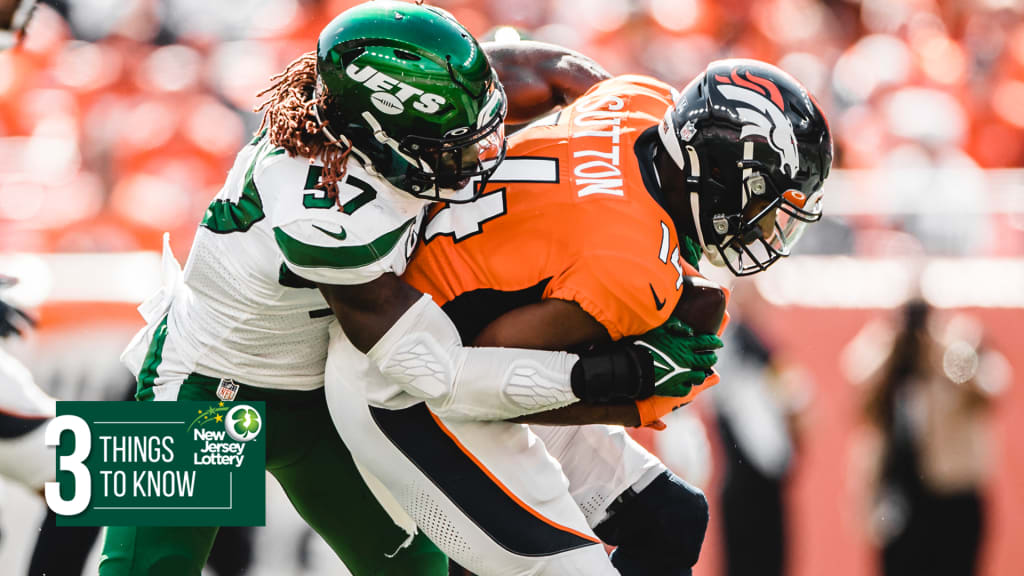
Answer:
(414, 95)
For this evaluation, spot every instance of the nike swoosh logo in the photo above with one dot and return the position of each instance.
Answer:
(658, 303)
(339, 235)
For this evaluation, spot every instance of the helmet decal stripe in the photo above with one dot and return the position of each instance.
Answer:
(741, 81)
(695, 212)
(773, 90)
(490, 108)
(669, 137)
(694, 161)
(768, 121)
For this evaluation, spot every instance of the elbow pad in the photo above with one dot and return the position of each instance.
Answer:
(423, 354)
(616, 373)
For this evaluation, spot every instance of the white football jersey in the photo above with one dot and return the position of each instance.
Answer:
(24, 412)
(248, 309)
(19, 395)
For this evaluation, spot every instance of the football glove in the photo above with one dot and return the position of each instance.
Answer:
(682, 359)
(667, 361)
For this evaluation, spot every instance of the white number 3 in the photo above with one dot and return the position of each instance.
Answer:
(72, 463)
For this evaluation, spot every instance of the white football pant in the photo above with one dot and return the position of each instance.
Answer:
(501, 499)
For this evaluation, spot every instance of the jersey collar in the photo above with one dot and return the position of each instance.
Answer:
(644, 148)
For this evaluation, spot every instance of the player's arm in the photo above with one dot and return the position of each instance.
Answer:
(410, 340)
(554, 324)
(683, 359)
(538, 76)
(686, 342)
(415, 345)
(367, 311)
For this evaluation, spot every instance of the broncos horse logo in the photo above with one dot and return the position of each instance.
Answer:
(765, 116)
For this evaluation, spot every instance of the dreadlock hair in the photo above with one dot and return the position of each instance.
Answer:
(290, 121)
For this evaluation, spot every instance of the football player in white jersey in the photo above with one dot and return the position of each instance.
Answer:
(397, 108)
(24, 410)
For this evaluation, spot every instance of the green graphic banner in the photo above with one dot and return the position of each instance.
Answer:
(159, 464)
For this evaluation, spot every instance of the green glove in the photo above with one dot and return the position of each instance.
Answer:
(682, 359)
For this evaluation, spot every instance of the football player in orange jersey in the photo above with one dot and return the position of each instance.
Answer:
(595, 223)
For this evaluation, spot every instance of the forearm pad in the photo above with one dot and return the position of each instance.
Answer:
(615, 373)
(423, 354)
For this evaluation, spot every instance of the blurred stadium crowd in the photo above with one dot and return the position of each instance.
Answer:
(119, 119)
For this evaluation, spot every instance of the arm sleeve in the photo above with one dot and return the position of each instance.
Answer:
(423, 354)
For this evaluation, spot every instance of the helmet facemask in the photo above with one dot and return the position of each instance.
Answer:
(456, 167)
(453, 168)
(768, 227)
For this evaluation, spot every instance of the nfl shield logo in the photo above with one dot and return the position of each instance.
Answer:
(227, 389)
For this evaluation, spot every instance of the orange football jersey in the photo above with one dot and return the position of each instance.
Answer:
(567, 215)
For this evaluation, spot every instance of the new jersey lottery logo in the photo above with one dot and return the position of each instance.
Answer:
(243, 423)
(183, 463)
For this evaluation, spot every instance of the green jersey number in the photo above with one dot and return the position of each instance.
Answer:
(317, 199)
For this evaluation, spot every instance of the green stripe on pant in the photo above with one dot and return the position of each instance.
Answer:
(154, 356)
(312, 464)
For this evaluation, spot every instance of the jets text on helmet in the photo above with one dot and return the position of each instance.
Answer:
(390, 94)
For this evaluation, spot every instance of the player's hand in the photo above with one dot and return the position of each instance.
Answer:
(682, 359)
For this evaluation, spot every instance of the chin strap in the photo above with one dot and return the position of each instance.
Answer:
(667, 131)
(693, 183)
(384, 138)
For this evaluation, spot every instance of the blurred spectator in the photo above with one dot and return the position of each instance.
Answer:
(757, 408)
(927, 384)
(25, 410)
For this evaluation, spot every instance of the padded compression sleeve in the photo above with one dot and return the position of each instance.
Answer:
(422, 353)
